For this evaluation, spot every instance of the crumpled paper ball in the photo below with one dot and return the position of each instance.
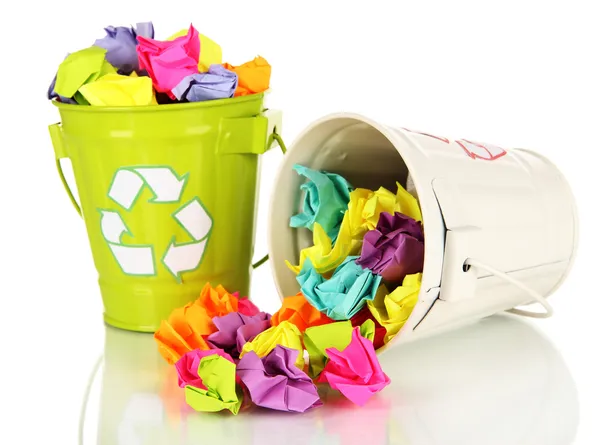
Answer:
(395, 248)
(245, 306)
(120, 43)
(326, 197)
(364, 208)
(187, 327)
(117, 90)
(344, 294)
(298, 310)
(275, 382)
(379, 331)
(284, 334)
(168, 62)
(253, 76)
(355, 371)
(187, 366)
(220, 391)
(79, 68)
(235, 329)
(318, 339)
(210, 51)
(392, 310)
(216, 83)
(183, 332)
(217, 301)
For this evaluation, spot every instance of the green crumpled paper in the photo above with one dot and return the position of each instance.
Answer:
(218, 375)
(79, 68)
(333, 335)
(367, 330)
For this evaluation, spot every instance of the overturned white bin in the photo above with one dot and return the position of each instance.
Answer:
(500, 225)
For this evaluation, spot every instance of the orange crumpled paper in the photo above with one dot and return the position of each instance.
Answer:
(299, 311)
(253, 76)
(187, 326)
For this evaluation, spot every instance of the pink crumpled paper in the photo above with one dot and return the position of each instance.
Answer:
(187, 366)
(355, 371)
(168, 62)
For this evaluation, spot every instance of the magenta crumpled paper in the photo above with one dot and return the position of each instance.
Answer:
(275, 381)
(167, 63)
(187, 366)
(395, 248)
(355, 371)
(235, 329)
(245, 306)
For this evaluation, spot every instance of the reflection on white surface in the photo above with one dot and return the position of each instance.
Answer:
(497, 382)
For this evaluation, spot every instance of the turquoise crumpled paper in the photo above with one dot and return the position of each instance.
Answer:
(344, 294)
(326, 197)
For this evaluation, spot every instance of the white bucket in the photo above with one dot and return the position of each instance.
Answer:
(500, 225)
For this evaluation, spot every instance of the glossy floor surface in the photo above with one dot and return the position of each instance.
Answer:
(499, 381)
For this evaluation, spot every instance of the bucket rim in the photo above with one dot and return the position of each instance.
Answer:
(165, 107)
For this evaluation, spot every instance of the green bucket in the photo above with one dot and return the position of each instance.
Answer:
(168, 196)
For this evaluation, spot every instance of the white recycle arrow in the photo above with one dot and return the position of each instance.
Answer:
(164, 183)
(194, 219)
(125, 188)
(133, 260)
(112, 226)
(184, 257)
(198, 223)
(128, 183)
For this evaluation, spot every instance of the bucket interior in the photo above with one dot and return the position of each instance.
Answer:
(348, 146)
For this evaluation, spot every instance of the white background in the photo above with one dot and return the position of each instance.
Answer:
(516, 73)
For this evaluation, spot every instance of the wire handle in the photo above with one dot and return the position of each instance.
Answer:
(532, 293)
(60, 152)
(273, 137)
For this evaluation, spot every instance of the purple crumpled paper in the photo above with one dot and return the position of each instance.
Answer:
(235, 329)
(120, 43)
(216, 83)
(275, 382)
(395, 248)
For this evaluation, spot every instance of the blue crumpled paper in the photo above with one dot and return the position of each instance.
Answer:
(344, 294)
(326, 197)
(120, 43)
(216, 83)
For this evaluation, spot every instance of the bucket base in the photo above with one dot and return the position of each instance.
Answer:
(129, 326)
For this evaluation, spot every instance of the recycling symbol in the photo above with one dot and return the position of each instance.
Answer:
(167, 187)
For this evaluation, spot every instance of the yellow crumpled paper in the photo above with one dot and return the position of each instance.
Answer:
(210, 51)
(393, 309)
(285, 334)
(116, 90)
(362, 215)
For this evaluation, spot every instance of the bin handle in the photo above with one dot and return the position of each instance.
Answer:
(532, 293)
(60, 152)
(273, 137)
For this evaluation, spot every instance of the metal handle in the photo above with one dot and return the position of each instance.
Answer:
(274, 136)
(61, 153)
(532, 293)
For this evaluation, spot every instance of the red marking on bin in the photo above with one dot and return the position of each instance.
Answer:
(439, 138)
(478, 150)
